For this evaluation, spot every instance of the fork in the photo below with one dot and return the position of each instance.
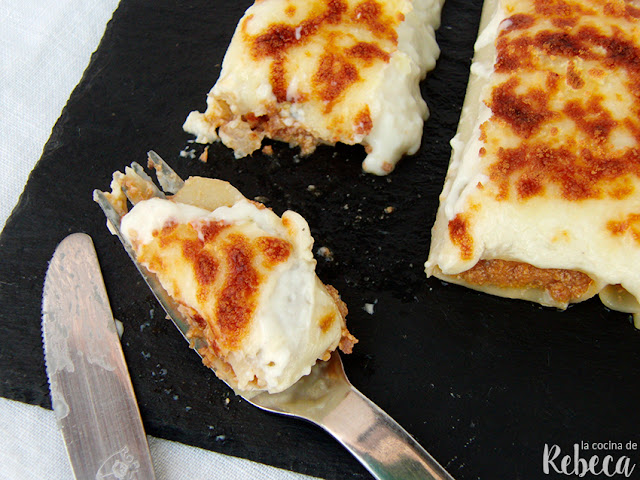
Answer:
(325, 397)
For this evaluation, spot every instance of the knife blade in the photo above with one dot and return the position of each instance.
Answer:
(91, 391)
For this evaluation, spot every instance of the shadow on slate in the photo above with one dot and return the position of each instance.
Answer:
(483, 383)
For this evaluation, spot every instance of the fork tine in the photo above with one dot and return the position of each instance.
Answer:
(113, 216)
(137, 168)
(169, 180)
(136, 186)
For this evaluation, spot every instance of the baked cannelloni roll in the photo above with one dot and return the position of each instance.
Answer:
(242, 276)
(542, 196)
(312, 72)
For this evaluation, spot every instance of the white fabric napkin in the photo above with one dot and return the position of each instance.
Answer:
(31, 448)
(45, 47)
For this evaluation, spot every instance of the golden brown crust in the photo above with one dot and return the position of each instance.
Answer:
(363, 122)
(565, 123)
(629, 225)
(460, 235)
(226, 265)
(334, 75)
(238, 297)
(369, 13)
(336, 71)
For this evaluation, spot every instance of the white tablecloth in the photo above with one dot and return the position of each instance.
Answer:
(44, 48)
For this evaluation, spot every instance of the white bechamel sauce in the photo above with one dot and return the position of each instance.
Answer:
(401, 111)
(151, 215)
(197, 124)
(398, 114)
(465, 169)
(285, 339)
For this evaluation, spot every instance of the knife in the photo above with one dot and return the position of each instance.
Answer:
(91, 391)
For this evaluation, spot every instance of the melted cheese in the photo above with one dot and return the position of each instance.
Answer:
(317, 72)
(245, 279)
(545, 168)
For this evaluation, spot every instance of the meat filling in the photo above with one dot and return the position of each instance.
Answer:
(273, 126)
(563, 285)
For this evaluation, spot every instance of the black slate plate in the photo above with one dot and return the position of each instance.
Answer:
(483, 383)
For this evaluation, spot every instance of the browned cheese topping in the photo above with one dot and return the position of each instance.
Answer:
(460, 236)
(339, 66)
(227, 266)
(563, 66)
(627, 225)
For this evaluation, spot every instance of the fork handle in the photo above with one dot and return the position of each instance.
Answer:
(379, 442)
